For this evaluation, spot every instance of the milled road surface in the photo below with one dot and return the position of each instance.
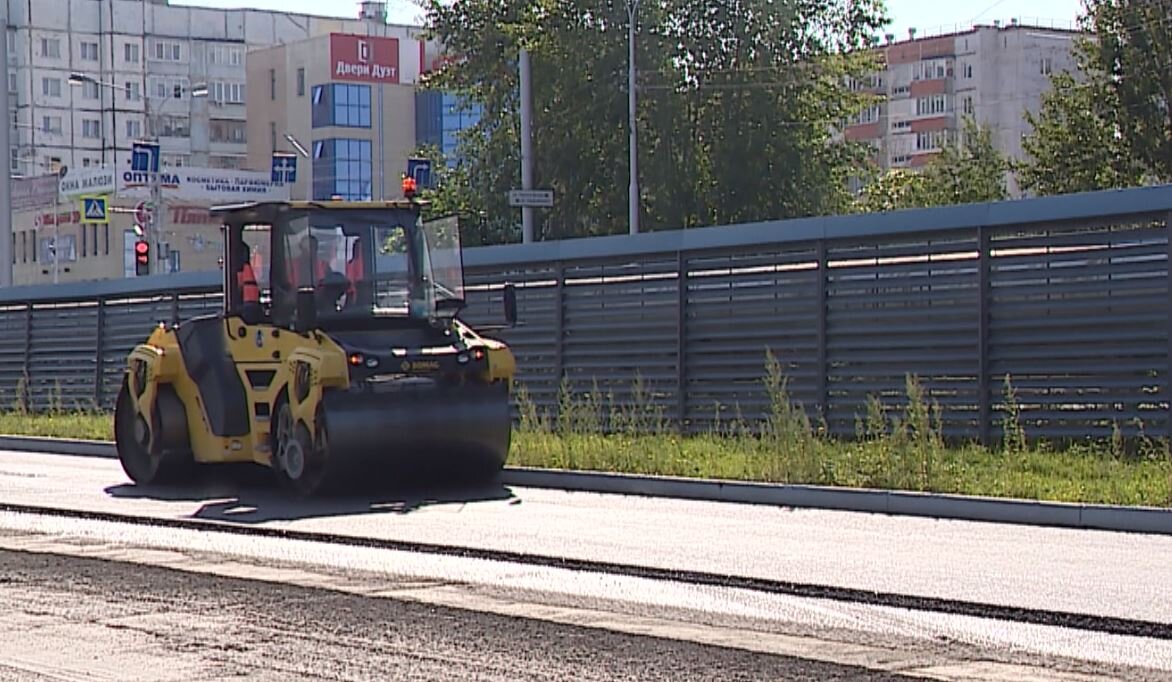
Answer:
(86, 619)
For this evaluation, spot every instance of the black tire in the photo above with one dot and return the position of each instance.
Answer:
(131, 440)
(299, 460)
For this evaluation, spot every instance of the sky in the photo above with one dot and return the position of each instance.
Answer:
(927, 16)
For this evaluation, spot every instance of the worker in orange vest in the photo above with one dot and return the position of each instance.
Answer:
(249, 288)
(354, 271)
(308, 250)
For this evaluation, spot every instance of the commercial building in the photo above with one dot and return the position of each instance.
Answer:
(144, 57)
(994, 73)
(440, 117)
(347, 100)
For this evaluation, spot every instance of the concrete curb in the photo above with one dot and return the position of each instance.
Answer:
(1156, 520)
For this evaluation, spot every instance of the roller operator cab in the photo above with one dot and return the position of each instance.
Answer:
(350, 362)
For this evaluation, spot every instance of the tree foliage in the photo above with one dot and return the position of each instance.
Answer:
(1110, 125)
(968, 170)
(736, 104)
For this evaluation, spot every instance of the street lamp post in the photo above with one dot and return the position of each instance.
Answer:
(153, 117)
(633, 189)
(5, 144)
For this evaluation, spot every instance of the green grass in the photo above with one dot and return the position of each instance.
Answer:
(904, 451)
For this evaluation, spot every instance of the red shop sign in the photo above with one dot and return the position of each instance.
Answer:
(364, 58)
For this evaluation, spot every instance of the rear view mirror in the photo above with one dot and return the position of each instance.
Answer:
(510, 300)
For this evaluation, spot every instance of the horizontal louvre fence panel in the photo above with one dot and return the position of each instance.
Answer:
(900, 308)
(620, 335)
(741, 308)
(1079, 325)
(62, 356)
(14, 349)
(1067, 300)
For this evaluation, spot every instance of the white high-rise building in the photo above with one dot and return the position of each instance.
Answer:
(993, 73)
(136, 49)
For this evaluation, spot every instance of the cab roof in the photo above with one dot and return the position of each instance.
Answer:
(257, 210)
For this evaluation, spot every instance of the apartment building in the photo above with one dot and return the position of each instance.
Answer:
(994, 73)
(141, 60)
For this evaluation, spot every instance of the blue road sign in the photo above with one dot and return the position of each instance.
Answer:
(93, 210)
(144, 157)
(420, 169)
(284, 168)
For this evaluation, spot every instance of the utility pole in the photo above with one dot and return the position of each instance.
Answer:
(633, 189)
(6, 145)
(526, 143)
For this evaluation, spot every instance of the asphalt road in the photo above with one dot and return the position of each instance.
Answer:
(1109, 574)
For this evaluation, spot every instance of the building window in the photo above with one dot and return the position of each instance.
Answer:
(931, 140)
(51, 124)
(341, 104)
(90, 90)
(273, 84)
(301, 82)
(931, 105)
(91, 128)
(224, 55)
(89, 51)
(968, 70)
(133, 91)
(134, 129)
(50, 47)
(1047, 65)
(130, 53)
(226, 92)
(440, 118)
(968, 105)
(233, 132)
(51, 87)
(168, 51)
(342, 167)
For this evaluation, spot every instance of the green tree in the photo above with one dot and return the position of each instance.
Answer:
(736, 102)
(1110, 126)
(968, 170)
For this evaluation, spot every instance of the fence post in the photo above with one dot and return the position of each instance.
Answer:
(100, 364)
(823, 380)
(682, 341)
(984, 386)
(559, 326)
(26, 394)
(1168, 368)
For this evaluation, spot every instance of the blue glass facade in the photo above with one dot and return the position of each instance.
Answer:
(342, 167)
(439, 118)
(341, 104)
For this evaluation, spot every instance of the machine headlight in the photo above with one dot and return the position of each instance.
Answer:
(372, 363)
(462, 358)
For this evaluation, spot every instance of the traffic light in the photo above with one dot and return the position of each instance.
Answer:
(142, 258)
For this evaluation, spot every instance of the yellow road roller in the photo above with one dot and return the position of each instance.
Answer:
(338, 354)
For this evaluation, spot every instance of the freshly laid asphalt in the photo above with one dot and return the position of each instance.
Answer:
(1090, 574)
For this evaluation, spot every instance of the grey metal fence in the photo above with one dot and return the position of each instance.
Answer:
(1067, 296)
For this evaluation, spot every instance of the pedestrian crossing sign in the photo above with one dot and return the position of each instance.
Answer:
(93, 210)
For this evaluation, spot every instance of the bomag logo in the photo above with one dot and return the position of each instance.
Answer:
(420, 365)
